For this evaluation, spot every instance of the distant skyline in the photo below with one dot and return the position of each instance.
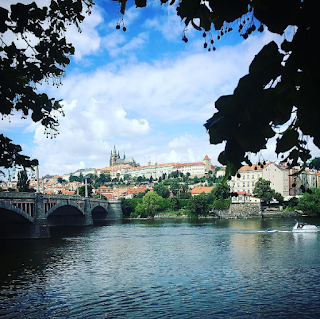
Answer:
(144, 90)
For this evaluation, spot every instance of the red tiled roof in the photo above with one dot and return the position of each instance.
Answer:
(201, 189)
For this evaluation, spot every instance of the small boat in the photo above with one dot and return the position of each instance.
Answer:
(271, 230)
(305, 228)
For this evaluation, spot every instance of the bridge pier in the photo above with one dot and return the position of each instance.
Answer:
(87, 212)
(115, 210)
(41, 227)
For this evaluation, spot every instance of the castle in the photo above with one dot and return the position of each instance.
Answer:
(116, 160)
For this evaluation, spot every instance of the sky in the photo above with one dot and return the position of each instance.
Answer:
(142, 90)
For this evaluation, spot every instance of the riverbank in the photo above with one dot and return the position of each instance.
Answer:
(268, 213)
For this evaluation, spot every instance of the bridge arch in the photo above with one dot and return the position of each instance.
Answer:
(6, 207)
(63, 205)
(66, 213)
(99, 212)
(15, 223)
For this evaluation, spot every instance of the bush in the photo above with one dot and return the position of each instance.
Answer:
(139, 210)
(221, 204)
(134, 215)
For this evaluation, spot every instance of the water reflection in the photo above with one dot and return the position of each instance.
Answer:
(169, 269)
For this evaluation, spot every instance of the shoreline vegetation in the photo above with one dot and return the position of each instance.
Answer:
(185, 215)
(175, 202)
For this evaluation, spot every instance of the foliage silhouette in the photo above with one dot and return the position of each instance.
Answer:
(39, 54)
(282, 84)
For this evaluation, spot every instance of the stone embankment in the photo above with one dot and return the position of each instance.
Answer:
(248, 210)
(251, 210)
(169, 215)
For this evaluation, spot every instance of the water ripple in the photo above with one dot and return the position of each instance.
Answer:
(218, 270)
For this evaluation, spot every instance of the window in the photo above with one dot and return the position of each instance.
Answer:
(243, 184)
(252, 176)
(252, 184)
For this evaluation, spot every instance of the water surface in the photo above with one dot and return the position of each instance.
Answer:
(164, 269)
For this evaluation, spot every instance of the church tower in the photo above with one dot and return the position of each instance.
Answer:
(207, 164)
(113, 156)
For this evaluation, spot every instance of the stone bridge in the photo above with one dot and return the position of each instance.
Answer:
(30, 215)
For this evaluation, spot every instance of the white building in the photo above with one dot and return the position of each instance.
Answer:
(278, 175)
(246, 178)
(83, 171)
(194, 169)
(308, 179)
(156, 171)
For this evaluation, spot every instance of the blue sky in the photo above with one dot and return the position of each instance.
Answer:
(144, 90)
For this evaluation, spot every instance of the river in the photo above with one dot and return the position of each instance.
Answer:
(164, 269)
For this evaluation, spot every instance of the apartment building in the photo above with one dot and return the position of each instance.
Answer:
(278, 175)
(246, 178)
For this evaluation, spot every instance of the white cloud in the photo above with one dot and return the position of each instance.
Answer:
(155, 108)
(88, 41)
(84, 135)
(120, 103)
(115, 43)
(168, 23)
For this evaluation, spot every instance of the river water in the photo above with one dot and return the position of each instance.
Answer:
(164, 269)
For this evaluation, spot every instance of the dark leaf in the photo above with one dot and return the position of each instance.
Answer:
(288, 140)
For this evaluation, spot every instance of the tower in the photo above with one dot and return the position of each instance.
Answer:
(207, 163)
(114, 156)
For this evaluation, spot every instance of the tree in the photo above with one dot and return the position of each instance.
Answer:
(221, 191)
(278, 197)
(221, 204)
(162, 190)
(126, 207)
(199, 204)
(91, 178)
(174, 203)
(315, 163)
(309, 203)
(23, 181)
(151, 203)
(293, 202)
(73, 178)
(25, 64)
(61, 180)
(282, 83)
(263, 191)
(82, 190)
(175, 187)
(141, 194)
(102, 178)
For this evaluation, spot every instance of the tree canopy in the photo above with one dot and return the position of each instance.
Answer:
(315, 163)
(263, 191)
(162, 190)
(281, 86)
(23, 181)
(309, 203)
(39, 53)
